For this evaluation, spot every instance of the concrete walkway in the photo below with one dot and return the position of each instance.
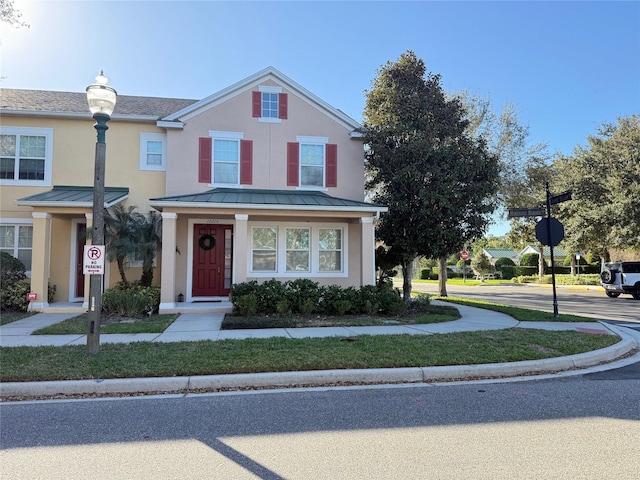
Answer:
(206, 326)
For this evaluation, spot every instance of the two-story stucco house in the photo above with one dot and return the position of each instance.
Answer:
(260, 180)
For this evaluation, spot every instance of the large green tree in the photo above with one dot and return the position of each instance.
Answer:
(604, 177)
(437, 180)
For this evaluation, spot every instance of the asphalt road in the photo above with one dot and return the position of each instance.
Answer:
(588, 303)
(574, 428)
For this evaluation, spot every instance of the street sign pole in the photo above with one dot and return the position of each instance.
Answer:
(553, 267)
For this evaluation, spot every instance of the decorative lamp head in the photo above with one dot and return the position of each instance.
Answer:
(101, 97)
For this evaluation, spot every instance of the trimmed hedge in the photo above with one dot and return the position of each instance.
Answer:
(304, 296)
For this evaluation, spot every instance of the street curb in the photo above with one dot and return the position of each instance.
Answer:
(323, 377)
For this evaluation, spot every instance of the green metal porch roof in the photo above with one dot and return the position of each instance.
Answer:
(71, 196)
(265, 199)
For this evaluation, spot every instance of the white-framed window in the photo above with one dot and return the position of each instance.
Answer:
(312, 161)
(270, 104)
(330, 249)
(17, 241)
(153, 151)
(264, 251)
(294, 250)
(297, 249)
(26, 156)
(226, 157)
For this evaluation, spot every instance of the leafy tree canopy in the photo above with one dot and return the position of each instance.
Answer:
(438, 181)
(604, 177)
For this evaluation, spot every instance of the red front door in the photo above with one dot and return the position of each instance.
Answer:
(81, 240)
(211, 260)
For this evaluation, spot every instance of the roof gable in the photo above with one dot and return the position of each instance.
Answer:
(251, 82)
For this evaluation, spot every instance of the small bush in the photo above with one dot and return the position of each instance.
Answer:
(303, 295)
(342, 307)
(282, 307)
(425, 274)
(245, 305)
(504, 261)
(12, 270)
(529, 260)
(132, 302)
(508, 272)
(13, 297)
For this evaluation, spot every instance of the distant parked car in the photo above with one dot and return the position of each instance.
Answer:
(621, 277)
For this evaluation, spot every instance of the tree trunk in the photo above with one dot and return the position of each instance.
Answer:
(573, 265)
(442, 276)
(407, 273)
(541, 262)
(123, 275)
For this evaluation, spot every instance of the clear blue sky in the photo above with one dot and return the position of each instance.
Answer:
(567, 66)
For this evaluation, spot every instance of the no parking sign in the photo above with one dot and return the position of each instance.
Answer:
(93, 260)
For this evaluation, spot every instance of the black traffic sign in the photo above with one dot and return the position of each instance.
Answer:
(549, 231)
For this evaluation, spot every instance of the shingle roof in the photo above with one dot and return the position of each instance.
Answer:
(62, 195)
(258, 198)
(71, 102)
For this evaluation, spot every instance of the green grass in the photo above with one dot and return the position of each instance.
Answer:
(147, 359)
(520, 314)
(435, 314)
(78, 325)
(8, 317)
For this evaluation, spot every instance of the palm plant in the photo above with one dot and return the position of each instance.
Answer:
(149, 236)
(121, 236)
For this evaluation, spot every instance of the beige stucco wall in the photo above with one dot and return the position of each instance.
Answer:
(73, 164)
(269, 145)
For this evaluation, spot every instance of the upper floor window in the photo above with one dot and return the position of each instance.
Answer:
(311, 165)
(312, 162)
(17, 241)
(225, 158)
(153, 151)
(26, 156)
(270, 104)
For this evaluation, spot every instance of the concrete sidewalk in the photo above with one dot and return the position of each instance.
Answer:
(206, 326)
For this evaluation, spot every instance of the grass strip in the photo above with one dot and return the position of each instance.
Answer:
(147, 359)
(520, 314)
(435, 314)
(78, 325)
(8, 317)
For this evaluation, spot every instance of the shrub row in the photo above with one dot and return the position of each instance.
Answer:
(304, 296)
(589, 279)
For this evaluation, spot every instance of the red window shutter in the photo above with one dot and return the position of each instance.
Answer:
(331, 179)
(246, 162)
(293, 163)
(204, 160)
(283, 106)
(256, 104)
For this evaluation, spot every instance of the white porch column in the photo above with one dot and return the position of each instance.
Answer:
(240, 245)
(168, 277)
(367, 252)
(40, 260)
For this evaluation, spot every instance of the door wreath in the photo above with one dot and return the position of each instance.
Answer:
(207, 242)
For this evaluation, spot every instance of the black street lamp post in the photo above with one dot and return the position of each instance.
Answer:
(102, 101)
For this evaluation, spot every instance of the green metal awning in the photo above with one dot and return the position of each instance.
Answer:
(247, 198)
(70, 196)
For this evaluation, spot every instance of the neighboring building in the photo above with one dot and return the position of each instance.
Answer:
(260, 180)
(558, 254)
(494, 254)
